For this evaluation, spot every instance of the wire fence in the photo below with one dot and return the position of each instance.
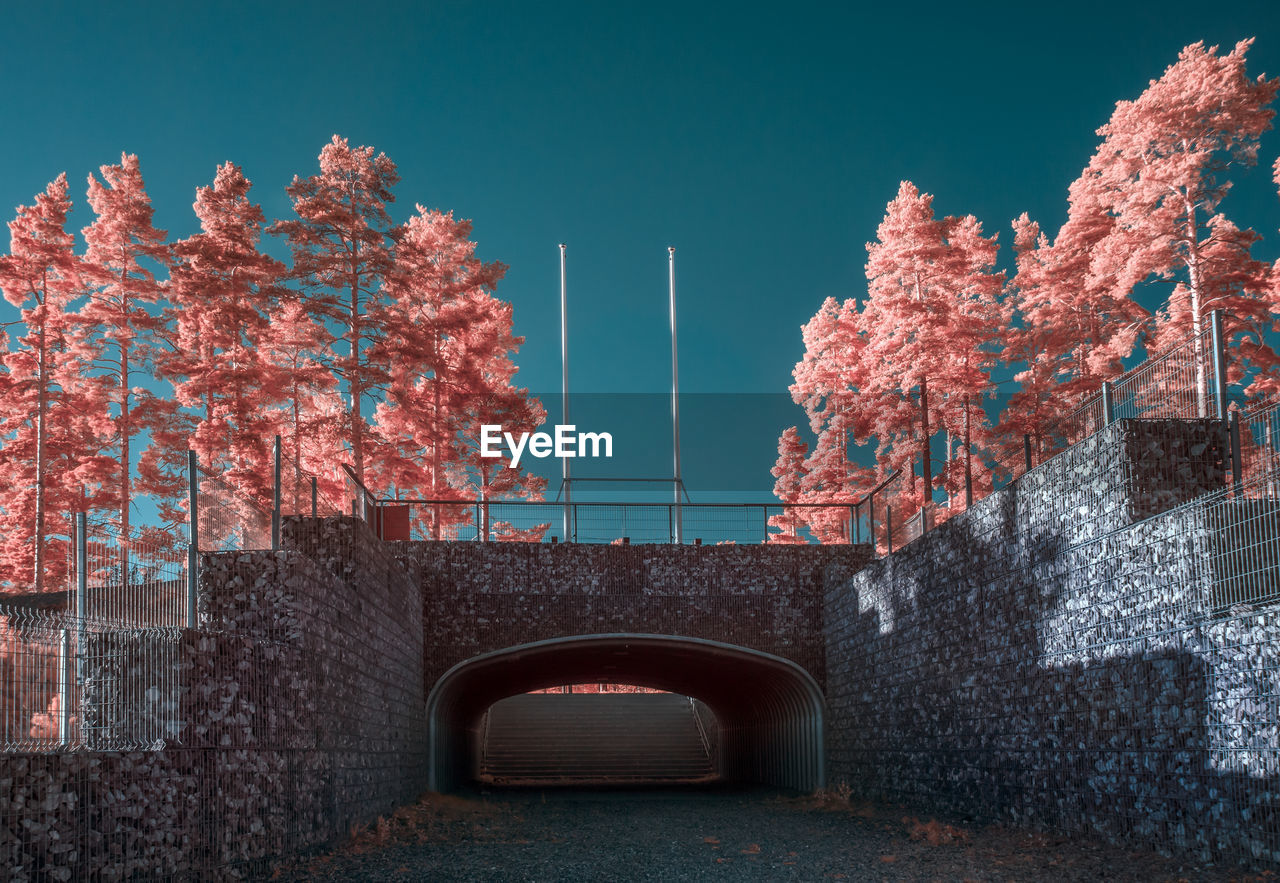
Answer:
(1186, 382)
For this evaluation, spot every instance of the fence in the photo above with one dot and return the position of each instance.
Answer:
(606, 522)
(111, 637)
(1186, 382)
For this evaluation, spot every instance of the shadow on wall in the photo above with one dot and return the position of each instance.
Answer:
(1087, 690)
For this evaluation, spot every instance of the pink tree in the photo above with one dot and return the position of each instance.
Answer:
(40, 276)
(439, 317)
(219, 292)
(486, 351)
(342, 244)
(116, 330)
(789, 476)
(310, 413)
(1161, 173)
(932, 304)
(1076, 332)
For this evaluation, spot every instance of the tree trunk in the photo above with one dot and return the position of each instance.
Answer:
(42, 407)
(926, 466)
(968, 458)
(354, 385)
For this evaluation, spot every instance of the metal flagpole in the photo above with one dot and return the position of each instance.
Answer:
(564, 396)
(677, 484)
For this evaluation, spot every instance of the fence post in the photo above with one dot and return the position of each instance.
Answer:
(64, 687)
(764, 518)
(968, 486)
(871, 521)
(1026, 450)
(888, 527)
(82, 602)
(1108, 404)
(1237, 465)
(313, 496)
(275, 495)
(1219, 364)
(193, 536)
(854, 527)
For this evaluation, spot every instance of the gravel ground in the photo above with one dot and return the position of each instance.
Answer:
(717, 834)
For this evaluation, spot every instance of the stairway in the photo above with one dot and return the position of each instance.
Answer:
(593, 738)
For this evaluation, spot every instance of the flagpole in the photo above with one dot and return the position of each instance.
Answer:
(566, 483)
(677, 485)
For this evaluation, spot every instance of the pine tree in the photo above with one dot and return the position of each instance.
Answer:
(932, 303)
(342, 244)
(115, 332)
(789, 476)
(220, 291)
(1162, 172)
(38, 420)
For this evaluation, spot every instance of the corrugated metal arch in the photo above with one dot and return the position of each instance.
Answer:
(770, 710)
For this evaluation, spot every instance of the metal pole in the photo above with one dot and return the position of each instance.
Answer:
(871, 521)
(888, 526)
(193, 536)
(313, 497)
(566, 480)
(1237, 465)
(1026, 450)
(82, 565)
(1219, 364)
(1108, 404)
(82, 600)
(677, 483)
(857, 522)
(64, 687)
(275, 497)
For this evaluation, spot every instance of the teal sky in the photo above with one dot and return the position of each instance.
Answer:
(762, 140)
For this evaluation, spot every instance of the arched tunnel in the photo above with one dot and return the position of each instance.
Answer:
(770, 710)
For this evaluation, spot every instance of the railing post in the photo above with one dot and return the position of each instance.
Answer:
(82, 600)
(313, 496)
(1237, 464)
(275, 495)
(853, 523)
(1026, 450)
(968, 486)
(1108, 404)
(82, 565)
(871, 521)
(193, 536)
(1219, 364)
(64, 687)
(888, 526)
(671, 524)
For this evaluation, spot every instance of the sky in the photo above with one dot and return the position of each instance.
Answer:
(762, 141)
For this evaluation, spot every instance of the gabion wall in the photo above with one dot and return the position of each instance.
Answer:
(1051, 658)
(299, 714)
(482, 597)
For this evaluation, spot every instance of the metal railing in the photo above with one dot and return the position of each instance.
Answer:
(1185, 382)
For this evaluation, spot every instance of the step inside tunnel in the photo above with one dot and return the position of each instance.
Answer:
(768, 711)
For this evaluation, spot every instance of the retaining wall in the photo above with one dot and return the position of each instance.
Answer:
(1052, 658)
(296, 711)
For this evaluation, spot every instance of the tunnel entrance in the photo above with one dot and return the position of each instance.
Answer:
(768, 712)
(598, 737)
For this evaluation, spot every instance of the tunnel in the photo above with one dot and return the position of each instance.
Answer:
(770, 710)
